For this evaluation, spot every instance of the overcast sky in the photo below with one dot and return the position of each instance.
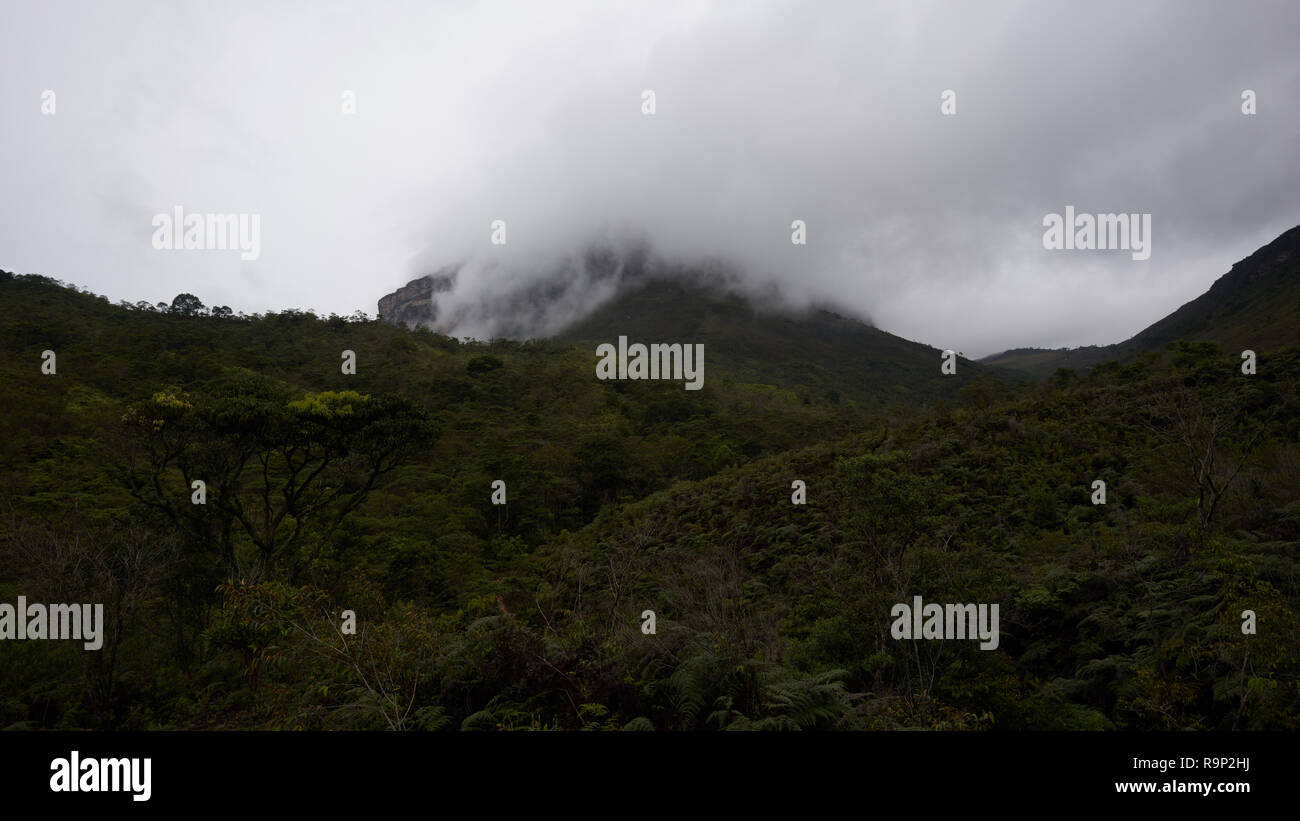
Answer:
(531, 113)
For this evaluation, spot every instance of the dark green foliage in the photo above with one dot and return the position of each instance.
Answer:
(817, 355)
(370, 493)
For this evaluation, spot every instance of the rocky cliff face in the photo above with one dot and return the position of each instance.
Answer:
(413, 303)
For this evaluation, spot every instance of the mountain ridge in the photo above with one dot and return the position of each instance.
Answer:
(1255, 305)
(749, 337)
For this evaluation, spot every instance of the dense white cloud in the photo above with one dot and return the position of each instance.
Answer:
(766, 112)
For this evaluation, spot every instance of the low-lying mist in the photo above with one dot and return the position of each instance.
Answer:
(532, 298)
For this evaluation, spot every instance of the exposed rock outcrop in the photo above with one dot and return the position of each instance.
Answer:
(414, 302)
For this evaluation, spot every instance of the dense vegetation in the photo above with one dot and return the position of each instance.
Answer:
(814, 352)
(371, 492)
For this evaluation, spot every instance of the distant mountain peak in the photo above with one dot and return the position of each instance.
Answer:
(414, 303)
(488, 300)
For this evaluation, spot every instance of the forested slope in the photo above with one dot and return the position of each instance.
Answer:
(371, 492)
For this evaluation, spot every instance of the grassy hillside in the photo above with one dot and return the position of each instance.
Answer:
(1041, 362)
(815, 353)
(371, 493)
(1255, 306)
